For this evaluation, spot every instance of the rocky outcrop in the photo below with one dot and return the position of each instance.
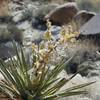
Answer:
(63, 14)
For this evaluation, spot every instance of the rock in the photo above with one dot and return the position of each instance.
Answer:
(91, 29)
(16, 33)
(39, 24)
(63, 14)
(21, 16)
(85, 54)
(7, 50)
(9, 32)
(55, 30)
(93, 73)
(38, 21)
(82, 17)
(6, 19)
(93, 90)
(84, 98)
(89, 69)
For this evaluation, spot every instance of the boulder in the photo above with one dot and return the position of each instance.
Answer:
(82, 17)
(63, 14)
(38, 21)
(91, 29)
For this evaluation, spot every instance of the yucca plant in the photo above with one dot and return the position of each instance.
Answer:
(41, 84)
(23, 81)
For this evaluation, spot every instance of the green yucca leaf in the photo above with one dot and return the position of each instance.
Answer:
(61, 95)
(5, 72)
(16, 75)
(13, 78)
(10, 88)
(25, 68)
(54, 73)
(49, 84)
(56, 87)
(7, 92)
(78, 86)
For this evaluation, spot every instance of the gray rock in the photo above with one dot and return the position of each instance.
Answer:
(91, 30)
(93, 73)
(89, 69)
(9, 32)
(21, 16)
(85, 55)
(92, 27)
(17, 16)
(55, 30)
(7, 50)
(6, 19)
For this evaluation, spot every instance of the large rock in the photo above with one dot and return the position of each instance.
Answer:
(82, 17)
(38, 21)
(63, 14)
(91, 29)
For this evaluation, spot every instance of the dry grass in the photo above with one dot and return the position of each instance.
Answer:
(84, 50)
